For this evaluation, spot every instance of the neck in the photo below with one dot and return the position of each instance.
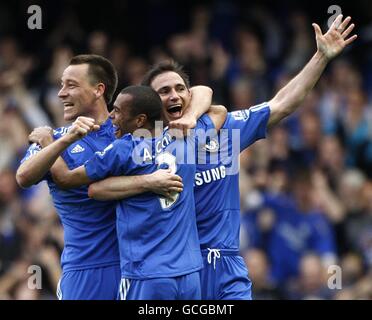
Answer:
(145, 131)
(154, 129)
(100, 113)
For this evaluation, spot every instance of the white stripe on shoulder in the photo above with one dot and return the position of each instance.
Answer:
(258, 107)
(61, 131)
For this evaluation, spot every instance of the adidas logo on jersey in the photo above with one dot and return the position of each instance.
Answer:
(77, 149)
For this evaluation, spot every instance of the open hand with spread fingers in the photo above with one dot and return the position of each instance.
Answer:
(336, 39)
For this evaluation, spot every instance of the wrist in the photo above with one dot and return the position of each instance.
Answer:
(146, 181)
(190, 119)
(46, 142)
(67, 140)
(321, 57)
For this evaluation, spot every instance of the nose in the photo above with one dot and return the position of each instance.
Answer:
(174, 96)
(62, 93)
(111, 115)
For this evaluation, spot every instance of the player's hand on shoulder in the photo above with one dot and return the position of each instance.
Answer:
(42, 136)
(180, 127)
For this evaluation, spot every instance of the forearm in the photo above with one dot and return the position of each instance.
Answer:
(35, 168)
(287, 100)
(115, 188)
(66, 178)
(201, 100)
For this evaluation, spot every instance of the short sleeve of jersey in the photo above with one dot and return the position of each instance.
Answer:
(112, 161)
(251, 122)
(35, 148)
(32, 150)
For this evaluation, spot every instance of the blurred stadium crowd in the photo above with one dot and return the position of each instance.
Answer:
(306, 191)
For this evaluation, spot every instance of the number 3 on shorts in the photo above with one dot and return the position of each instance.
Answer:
(170, 160)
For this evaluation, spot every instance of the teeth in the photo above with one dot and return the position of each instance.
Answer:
(174, 106)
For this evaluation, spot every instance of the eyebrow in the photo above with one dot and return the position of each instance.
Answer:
(69, 81)
(177, 85)
(164, 87)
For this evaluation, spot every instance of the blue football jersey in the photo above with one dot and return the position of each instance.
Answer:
(90, 238)
(217, 197)
(157, 237)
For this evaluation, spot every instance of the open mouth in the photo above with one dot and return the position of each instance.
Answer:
(175, 111)
(68, 104)
(116, 130)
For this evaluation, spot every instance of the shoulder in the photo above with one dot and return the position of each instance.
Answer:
(244, 114)
(205, 122)
(126, 139)
(122, 144)
(255, 113)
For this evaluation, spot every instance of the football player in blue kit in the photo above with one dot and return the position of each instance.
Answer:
(218, 218)
(90, 258)
(225, 275)
(90, 255)
(158, 239)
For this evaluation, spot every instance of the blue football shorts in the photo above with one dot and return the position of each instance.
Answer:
(224, 276)
(186, 287)
(90, 284)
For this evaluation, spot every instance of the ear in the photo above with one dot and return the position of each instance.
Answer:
(100, 90)
(141, 120)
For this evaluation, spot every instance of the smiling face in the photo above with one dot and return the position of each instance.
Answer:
(122, 117)
(173, 92)
(77, 93)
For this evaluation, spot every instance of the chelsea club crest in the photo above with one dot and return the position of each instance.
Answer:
(212, 146)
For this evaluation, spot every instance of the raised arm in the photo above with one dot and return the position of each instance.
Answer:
(37, 166)
(329, 45)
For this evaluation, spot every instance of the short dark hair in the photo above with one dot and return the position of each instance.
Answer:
(146, 101)
(162, 67)
(99, 70)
